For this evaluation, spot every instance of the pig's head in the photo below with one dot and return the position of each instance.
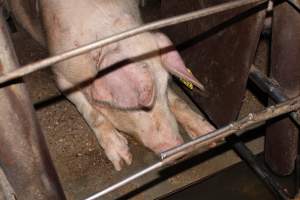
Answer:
(141, 83)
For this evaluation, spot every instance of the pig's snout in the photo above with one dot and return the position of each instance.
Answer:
(162, 131)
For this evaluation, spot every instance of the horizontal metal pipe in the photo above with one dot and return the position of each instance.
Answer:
(127, 180)
(27, 69)
(272, 88)
(202, 143)
(238, 127)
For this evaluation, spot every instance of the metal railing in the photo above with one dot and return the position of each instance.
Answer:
(44, 63)
(200, 144)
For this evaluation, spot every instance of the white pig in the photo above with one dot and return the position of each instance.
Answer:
(130, 95)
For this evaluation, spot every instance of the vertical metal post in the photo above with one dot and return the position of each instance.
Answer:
(23, 152)
(282, 135)
(246, 155)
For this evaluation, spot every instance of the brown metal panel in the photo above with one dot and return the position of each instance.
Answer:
(282, 135)
(23, 153)
(219, 50)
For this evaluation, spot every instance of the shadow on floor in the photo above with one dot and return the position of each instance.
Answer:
(235, 183)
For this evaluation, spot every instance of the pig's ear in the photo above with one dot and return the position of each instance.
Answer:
(129, 87)
(173, 62)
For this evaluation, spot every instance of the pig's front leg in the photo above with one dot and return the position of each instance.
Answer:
(195, 124)
(114, 144)
(112, 141)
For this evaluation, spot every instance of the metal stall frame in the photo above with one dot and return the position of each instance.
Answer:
(28, 172)
(200, 144)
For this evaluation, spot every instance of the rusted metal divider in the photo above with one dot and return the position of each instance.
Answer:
(219, 51)
(281, 147)
(23, 152)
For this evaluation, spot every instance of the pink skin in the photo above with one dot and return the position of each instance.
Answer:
(114, 103)
(156, 127)
(133, 81)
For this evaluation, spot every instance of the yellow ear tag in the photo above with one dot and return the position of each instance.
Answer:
(187, 83)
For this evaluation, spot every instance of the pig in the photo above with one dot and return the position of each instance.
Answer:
(121, 88)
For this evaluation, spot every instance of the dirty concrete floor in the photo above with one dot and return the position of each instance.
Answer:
(245, 187)
(80, 162)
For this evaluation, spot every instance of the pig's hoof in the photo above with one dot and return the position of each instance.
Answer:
(117, 150)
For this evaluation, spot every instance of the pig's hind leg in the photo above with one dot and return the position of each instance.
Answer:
(112, 141)
(195, 124)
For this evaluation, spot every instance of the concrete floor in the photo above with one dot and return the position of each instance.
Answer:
(246, 187)
(81, 163)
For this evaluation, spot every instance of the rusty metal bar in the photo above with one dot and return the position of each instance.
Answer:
(295, 3)
(24, 157)
(27, 69)
(281, 138)
(238, 126)
(249, 158)
(272, 88)
(201, 144)
(199, 42)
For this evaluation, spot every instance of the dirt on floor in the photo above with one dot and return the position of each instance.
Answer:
(81, 163)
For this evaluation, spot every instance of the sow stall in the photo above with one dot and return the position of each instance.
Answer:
(219, 48)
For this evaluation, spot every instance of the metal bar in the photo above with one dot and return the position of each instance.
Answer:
(24, 156)
(239, 126)
(272, 88)
(281, 137)
(27, 69)
(295, 3)
(127, 180)
(245, 154)
(201, 143)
